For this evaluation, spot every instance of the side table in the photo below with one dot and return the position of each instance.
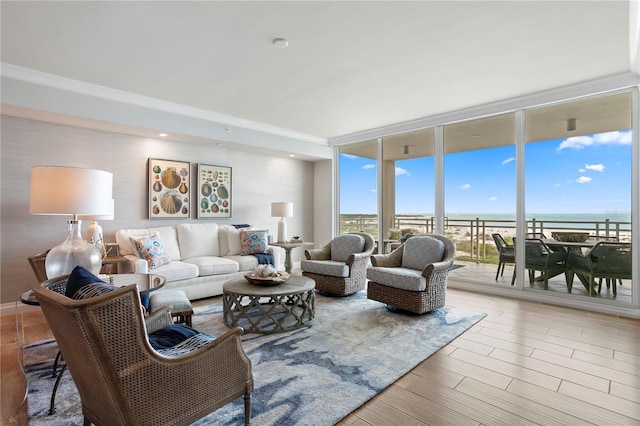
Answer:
(111, 262)
(288, 264)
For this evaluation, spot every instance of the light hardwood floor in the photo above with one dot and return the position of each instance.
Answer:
(525, 363)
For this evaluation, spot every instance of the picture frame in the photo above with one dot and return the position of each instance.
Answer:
(169, 189)
(214, 192)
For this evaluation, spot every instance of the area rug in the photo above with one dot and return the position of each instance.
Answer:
(315, 375)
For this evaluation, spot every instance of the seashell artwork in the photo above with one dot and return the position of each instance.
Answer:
(170, 178)
(214, 194)
(223, 192)
(185, 210)
(156, 210)
(183, 188)
(184, 172)
(157, 186)
(170, 202)
(156, 169)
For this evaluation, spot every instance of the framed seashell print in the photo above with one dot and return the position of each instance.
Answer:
(169, 189)
(214, 192)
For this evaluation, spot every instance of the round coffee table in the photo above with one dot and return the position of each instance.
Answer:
(269, 309)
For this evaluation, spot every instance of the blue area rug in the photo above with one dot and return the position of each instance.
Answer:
(316, 375)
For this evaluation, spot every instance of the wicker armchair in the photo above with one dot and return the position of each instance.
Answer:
(607, 259)
(413, 277)
(340, 267)
(37, 262)
(121, 379)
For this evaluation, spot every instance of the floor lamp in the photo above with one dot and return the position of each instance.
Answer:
(71, 191)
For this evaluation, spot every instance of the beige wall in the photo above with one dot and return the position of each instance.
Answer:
(258, 179)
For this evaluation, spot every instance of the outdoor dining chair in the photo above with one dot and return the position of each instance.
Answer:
(539, 257)
(606, 260)
(506, 253)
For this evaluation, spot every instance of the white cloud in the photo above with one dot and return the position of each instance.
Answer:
(581, 170)
(608, 138)
(465, 186)
(508, 160)
(369, 166)
(373, 190)
(493, 199)
(557, 185)
(350, 156)
(595, 167)
(400, 171)
(584, 179)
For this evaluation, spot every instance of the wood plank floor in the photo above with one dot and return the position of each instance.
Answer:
(525, 363)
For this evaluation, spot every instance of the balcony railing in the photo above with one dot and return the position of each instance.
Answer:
(473, 236)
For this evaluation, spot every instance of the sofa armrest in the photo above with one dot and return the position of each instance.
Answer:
(278, 256)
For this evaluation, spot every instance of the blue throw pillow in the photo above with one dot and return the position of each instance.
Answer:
(81, 277)
(170, 335)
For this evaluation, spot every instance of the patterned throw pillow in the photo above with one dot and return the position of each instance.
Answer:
(82, 284)
(253, 242)
(151, 249)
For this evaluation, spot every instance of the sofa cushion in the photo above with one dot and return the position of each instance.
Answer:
(167, 234)
(345, 245)
(152, 250)
(253, 242)
(245, 263)
(176, 271)
(213, 265)
(198, 239)
(420, 251)
(325, 267)
(402, 278)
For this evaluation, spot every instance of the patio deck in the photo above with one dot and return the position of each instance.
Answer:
(485, 273)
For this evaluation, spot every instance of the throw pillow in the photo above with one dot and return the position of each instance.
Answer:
(82, 284)
(253, 242)
(151, 249)
(170, 335)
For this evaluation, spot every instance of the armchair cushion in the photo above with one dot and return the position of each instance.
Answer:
(420, 251)
(401, 278)
(345, 245)
(170, 335)
(326, 267)
(192, 343)
(79, 278)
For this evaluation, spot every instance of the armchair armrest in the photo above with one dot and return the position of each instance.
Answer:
(390, 260)
(319, 254)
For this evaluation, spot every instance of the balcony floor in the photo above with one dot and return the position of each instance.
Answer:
(485, 274)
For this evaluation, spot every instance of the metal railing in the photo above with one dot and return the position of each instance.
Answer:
(473, 236)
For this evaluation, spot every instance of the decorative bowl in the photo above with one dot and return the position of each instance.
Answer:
(571, 237)
(253, 279)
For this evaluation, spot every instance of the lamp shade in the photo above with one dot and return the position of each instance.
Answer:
(282, 209)
(109, 216)
(59, 190)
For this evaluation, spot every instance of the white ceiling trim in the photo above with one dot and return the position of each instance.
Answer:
(602, 85)
(54, 81)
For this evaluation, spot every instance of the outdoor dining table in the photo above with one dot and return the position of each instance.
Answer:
(573, 247)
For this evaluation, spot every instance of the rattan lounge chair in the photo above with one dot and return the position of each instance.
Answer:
(506, 253)
(340, 267)
(606, 260)
(122, 380)
(413, 277)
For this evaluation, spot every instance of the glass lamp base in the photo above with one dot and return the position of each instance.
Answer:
(72, 252)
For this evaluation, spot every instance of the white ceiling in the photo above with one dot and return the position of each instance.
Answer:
(349, 67)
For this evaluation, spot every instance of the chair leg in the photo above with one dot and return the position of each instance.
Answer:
(498, 271)
(247, 409)
(569, 279)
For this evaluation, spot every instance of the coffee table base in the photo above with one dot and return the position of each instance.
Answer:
(268, 313)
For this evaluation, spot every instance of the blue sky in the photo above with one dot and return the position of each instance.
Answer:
(582, 174)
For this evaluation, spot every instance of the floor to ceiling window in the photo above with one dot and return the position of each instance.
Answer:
(578, 187)
(480, 185)
(564, 167)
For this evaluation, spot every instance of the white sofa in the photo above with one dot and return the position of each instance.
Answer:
(203, 256)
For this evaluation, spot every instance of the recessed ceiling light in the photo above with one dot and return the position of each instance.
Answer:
(280, 43)
(228, 129)
(163, 135)
(292, 155)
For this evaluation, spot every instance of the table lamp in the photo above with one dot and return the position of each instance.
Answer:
(282, 209)
(71, 191)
